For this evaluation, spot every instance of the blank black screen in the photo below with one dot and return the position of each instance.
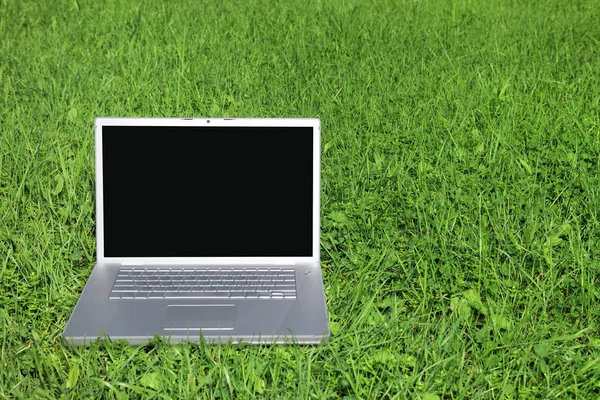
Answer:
(207, 191)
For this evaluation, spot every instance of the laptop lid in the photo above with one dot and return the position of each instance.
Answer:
(207, 191)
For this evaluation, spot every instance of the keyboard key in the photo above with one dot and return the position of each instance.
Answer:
(123, 288)
(223, 294)
(174, 295)
(219, 295)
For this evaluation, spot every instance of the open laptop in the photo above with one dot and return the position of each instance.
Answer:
(206, 228)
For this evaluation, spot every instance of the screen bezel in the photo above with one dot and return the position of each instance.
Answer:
(197, 122)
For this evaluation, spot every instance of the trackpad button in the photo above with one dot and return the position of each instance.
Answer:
(200, 317)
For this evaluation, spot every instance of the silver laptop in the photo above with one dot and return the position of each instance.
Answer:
(206, 228)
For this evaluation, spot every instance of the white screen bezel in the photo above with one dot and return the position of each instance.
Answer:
(219, 122)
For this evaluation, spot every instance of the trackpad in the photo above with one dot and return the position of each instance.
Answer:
(200, 317)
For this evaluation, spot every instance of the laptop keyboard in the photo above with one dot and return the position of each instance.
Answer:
(205, 283)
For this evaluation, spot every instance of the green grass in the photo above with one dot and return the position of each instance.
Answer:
(460, 189)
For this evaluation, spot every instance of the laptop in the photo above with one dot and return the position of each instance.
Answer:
(207, 229)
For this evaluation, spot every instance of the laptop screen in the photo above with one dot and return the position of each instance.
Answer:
(207, 191)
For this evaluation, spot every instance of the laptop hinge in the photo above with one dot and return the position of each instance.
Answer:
(284, 262)
(127, 263)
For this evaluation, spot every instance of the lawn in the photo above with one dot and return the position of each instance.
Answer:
(460, 189)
